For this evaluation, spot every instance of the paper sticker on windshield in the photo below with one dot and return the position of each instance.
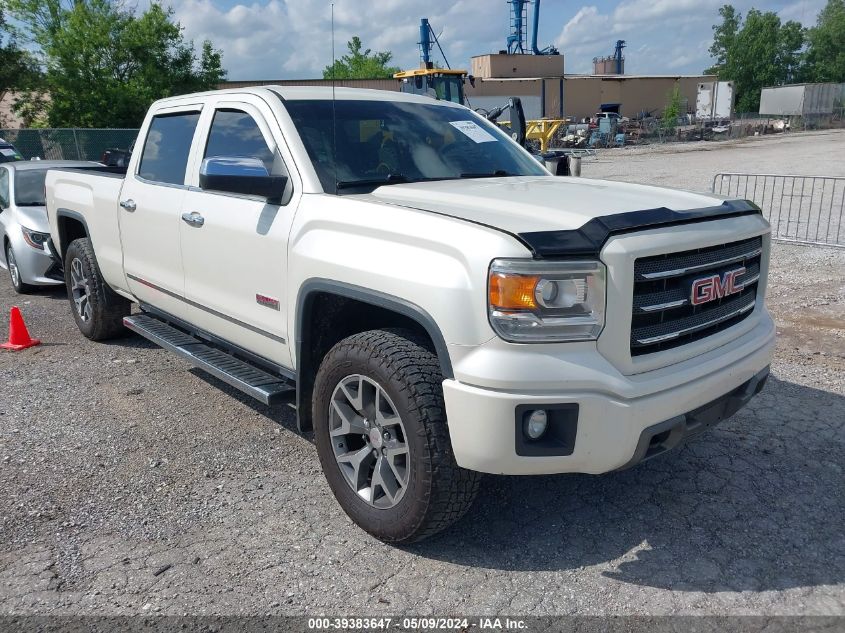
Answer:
(8, 152)
(474, 131)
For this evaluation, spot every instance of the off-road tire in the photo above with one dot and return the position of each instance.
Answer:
(20, 287)
(107, 307)
(439, 492)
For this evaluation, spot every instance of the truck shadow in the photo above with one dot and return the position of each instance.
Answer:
(281, 414)
(754, 505)
(56, 293)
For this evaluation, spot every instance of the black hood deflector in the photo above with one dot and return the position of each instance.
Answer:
(588, 240)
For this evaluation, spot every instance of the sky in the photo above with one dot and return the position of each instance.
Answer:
(291, 39)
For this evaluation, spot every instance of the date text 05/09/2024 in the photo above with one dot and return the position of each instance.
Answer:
(414, 624)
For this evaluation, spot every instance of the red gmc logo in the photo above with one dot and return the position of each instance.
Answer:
(716, 286)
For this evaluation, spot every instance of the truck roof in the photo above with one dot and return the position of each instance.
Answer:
(311, 92)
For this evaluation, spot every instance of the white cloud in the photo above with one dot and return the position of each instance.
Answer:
(637, 11)
(587, 26)
(292, 38)
(278, 39)
(663, 36)
(804, 11)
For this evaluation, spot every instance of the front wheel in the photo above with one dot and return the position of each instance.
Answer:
(15, 272)
(97, 309)
(381, 435)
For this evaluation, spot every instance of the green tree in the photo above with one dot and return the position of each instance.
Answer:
(756, 52)
(724, 39)
(672, 110)
(18, 69)
(825, 59)
(360, 64)
(104, 64)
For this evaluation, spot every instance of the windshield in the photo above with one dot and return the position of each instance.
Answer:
(29, 187)
(384, 142)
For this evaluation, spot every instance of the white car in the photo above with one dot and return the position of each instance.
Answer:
(23, 224)
(438, 303)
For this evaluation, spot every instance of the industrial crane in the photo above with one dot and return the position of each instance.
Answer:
(519, 18)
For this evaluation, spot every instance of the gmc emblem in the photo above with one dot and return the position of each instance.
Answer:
(716, 286)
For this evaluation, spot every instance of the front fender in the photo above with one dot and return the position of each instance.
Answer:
(435, 263)
(312, 287)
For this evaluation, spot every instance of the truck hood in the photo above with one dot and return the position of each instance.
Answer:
(553, 214)
(538, 203)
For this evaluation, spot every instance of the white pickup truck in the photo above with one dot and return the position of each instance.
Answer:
(436, 302)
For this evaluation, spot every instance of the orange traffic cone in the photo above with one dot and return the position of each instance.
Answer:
(18, 334)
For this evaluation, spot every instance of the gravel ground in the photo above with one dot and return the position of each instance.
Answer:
(693, 165)
(798, 208)
(131, 483)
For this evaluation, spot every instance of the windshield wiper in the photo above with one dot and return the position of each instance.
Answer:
(31, 204)
(488, 174)
(389, 179)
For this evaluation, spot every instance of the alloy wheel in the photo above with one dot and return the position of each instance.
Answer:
(80, 290)
(369, 441)
(14, 272)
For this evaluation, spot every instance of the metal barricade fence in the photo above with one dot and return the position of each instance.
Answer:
(803, 209)
(68, 143)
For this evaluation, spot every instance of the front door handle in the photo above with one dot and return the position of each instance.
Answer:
(194, 219)
(129, 205)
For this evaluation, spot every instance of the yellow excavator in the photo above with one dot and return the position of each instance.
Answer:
(440, 83)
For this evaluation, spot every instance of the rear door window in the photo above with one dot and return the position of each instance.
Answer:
(167, 148)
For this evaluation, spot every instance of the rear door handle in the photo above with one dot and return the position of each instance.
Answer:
(194, 219)
(129, 205)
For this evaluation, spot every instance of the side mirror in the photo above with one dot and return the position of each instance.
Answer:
(236, 174)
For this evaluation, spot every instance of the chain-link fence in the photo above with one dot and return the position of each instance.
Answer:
(68, 143)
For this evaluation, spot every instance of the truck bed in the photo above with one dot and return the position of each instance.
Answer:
(89, 196)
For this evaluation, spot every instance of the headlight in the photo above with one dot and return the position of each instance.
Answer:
(537, 301)
(34, 238)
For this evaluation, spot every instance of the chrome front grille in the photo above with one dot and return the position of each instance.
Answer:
(663, 315)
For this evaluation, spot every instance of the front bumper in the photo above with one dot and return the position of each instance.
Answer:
(621, 420)
(667, 435)
(37, 267)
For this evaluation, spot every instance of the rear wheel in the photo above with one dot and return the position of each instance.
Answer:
(381, 434)
(97, 309)
(15, 272)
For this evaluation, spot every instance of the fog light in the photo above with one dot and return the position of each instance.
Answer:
(535, 424)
